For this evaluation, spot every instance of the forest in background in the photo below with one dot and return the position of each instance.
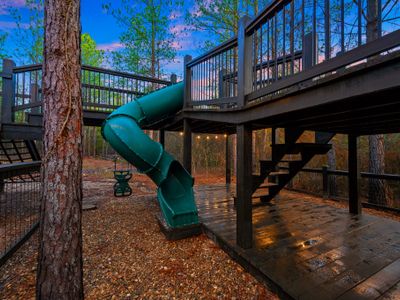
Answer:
(149, 44)
(209, 158)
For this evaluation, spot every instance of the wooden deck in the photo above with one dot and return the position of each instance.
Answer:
(309, 250)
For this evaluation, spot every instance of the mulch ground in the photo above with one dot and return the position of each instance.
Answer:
(127, 257)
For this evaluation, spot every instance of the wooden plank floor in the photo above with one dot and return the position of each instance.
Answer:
(309, 250)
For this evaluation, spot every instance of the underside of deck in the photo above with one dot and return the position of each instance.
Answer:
(308, 249)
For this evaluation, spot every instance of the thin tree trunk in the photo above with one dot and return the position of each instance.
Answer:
(376, 187)
(60, 256)
(254, 153)
(94, 141)
(234, 146)
(332, 186)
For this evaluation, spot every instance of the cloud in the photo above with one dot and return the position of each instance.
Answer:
(7, 25)
(175, 66)
(175, 14)
(5, 4)
(110, 46)
(181, 30)
(183, 45)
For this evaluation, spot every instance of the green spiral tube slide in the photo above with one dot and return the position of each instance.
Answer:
(122, 130)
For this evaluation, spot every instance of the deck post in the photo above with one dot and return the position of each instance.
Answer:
(354, 174)
(227, 161)
(325, 186)
(221, 83)
(173, 78)
(161, 138)
(8, 91)
(244, 61)
(187, 145)
(308, 51)
(34, 93)
(187, 78)
(244, 222)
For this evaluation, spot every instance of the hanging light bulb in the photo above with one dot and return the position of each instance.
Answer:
(208, 137)
(198, 137)
(225, 135)
(216, 137)
(181, 133)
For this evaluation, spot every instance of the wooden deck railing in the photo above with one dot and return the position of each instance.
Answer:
(288, 43)
(326, 173)
(213, 77)
(102, 89)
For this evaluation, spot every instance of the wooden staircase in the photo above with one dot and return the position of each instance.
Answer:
(13, 151)
(291, 155)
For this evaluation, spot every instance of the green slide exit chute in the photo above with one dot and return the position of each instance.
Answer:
(122, 130)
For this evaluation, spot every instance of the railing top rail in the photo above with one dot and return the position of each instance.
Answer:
(125, 74)
(36, 67)
(383, 176)
(27, 68)
(256, 22)
(380, 45)
(265, 14)
(229, 44)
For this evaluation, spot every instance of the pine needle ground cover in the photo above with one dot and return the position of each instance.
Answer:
(127, 257)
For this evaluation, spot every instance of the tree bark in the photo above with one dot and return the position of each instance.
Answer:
(60, 256)
(332, 186)
(376, 187)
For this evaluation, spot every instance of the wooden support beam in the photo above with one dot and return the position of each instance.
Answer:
(308, 56)
(162, 137)
(173, 78)
(244, 85)
(354, 174)
(34, 89)
(227, 162)
(187, 79)
(187, 145)
(244, 224)
(8, 92)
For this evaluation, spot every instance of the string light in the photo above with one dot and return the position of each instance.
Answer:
(216, 137)
(198, 137)
(180, 133)
(208, 137)
(225, 135)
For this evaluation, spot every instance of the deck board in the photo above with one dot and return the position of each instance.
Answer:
(309, 250)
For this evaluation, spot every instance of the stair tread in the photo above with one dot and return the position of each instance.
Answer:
(299, 148)
(259, 195)
(255, 195)
(291, 160)
(268, 184)
(306, 145)
(279, 173)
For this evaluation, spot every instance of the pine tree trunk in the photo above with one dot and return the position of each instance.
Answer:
(376, 187)
(234, 146)
(332, 186)
(94, 141)
(60, 256)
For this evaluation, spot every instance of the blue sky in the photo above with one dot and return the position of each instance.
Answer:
(105, 31)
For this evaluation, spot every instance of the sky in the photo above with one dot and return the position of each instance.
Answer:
(105, 31)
